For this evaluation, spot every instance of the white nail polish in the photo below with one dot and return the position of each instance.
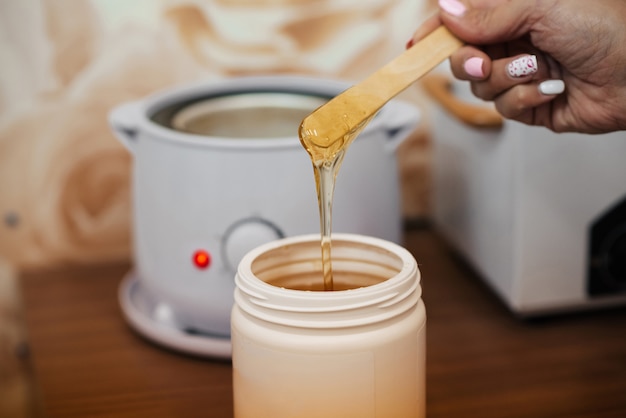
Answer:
(552, 87)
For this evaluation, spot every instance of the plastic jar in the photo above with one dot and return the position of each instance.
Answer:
(358, 352)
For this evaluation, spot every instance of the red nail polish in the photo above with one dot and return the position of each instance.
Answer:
(409, 44)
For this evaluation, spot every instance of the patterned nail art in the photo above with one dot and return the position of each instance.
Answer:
(523, 66)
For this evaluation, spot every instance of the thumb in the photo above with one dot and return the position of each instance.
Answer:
(487, 21)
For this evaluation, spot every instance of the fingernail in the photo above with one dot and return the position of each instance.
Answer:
(454, 7)
(523, 66)
(552, 87)
(474, 67)
(410, 43)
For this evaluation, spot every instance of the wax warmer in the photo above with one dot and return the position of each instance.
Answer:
(218, 169)
(541, 216)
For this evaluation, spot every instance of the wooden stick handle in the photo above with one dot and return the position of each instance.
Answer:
(415, 62)
(350, 111)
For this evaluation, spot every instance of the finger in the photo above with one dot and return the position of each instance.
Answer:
(470, 63)
(424, 29)
(509, 72)
(482, 22)
(526, 102)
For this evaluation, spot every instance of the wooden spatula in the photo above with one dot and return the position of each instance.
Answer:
(346, 114)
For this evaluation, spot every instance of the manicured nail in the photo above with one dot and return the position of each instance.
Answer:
(410, 43)
(454, 7)
(552, 87)
(524, 65)
(474, 67)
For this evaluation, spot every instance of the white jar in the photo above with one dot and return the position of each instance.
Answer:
(344, 353)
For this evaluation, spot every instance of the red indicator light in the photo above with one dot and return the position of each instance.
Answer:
(201, 259)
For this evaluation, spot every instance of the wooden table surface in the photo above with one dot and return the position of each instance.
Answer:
(481, 361)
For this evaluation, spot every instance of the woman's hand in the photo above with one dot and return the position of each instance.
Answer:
(559, 64)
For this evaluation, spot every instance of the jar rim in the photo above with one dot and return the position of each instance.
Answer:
(372, 303)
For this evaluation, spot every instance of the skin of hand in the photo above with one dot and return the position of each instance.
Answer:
(580, 42)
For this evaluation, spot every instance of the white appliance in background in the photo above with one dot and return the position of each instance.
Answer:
(540, 216)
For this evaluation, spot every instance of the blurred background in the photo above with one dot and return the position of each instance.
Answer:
(64, 179)
(535, 215)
